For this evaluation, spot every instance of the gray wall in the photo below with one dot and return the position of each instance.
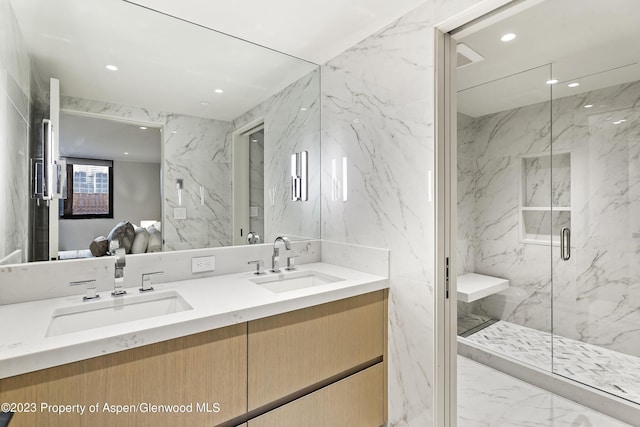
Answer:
(136, 197)
(256, 183)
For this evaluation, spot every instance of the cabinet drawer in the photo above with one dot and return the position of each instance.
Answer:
(356, 401)
(295, 350)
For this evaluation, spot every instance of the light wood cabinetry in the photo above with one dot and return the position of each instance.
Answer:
(196, 370)
(319, 366)
(295, 350)
(356, 401)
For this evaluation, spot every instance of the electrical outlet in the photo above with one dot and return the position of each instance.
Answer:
(203, 263)
(179, 213)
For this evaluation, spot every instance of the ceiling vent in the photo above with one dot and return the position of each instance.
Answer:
(467, 56)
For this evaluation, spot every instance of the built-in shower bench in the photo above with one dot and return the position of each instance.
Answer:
(473, 286)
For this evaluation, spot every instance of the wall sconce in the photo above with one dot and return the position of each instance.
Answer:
(339, 187)
(48, 174)
(179, 188)
(299, 181)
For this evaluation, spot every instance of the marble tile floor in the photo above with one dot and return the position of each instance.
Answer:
(489, 398)
(607, 370)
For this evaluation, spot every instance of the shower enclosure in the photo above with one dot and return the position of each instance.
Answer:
(549, 199)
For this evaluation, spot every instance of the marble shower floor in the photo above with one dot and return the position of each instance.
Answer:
(489, 398)
(607, 370)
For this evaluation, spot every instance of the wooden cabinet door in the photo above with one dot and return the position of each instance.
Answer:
(293, 351)
(206, 371)
(355, 401)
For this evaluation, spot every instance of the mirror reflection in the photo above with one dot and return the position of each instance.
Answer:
(112, 75)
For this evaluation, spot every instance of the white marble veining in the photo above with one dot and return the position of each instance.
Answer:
(607, 370)
(291, 124)
(216, 302)
(377, 111)
(14, 136)
(45, 280)
(196, 150)
(361, 258)
(489, 398)
(596, 294)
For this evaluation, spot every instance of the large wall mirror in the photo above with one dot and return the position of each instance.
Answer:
(154, 116)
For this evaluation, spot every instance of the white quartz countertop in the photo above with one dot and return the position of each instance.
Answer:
(216, 302)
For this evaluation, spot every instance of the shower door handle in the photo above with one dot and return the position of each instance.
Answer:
(565, 243)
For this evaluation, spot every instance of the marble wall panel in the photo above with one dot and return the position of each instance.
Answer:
(291, 124)
(198, 153)
(466, 209)
(14, 138)
(196, 150)
(377, 111)
(595, 293)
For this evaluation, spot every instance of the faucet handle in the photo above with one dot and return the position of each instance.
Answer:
(91, 289)
(259, 266)
(291, 263)
(146, 281)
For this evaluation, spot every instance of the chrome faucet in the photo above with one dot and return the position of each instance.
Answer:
(146, 281)
(275, 258)
(118, 285)
(91, 293)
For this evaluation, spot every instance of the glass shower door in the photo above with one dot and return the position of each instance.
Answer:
(596, 269)
(504, 214)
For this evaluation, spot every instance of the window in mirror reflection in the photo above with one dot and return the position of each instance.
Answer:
(89, 189)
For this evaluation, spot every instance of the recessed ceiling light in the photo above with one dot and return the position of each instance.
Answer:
(254, 140)
(588, 106)
(174, 131)
(617, 123)
(126, 153)
(204, 103)
(574, 84)
(356, 120)
(508, 37)
(303, 109)
(552, 81)
(219, 91)
(143, 127)
(111, 67)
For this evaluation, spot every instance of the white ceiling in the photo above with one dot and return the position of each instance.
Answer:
(593, 42)
(164, 64)
(315, 30)
(167, 64)
(98, 138)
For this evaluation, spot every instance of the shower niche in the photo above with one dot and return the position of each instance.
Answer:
(544, 213)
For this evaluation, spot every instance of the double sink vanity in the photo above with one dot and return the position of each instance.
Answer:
(234, 349)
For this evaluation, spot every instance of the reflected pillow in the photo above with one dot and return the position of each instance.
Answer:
(141, 241)
(155, 239)
(99, 246)
(124, 233)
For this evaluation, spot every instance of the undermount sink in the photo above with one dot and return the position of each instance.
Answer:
(112, 311)
(291, 281)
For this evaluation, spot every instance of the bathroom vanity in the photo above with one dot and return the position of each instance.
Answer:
(237, 349)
